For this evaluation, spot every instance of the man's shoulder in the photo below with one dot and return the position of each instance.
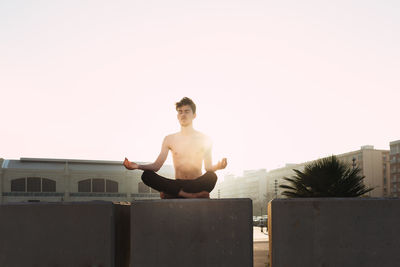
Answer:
(202, 135)
(172, 135)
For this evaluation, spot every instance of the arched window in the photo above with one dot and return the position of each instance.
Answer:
(142, 188)
(34, 184)
(85, 185)
(48, 185)
(98, 185)
(18, 185)
(111, 186)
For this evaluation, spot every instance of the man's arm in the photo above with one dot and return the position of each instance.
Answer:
(155, 166)
(219, 166)
(208, 160)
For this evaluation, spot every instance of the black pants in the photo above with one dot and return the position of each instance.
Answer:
(206, 182)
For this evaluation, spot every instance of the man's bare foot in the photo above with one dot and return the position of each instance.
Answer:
(202, 194)
(166, 196)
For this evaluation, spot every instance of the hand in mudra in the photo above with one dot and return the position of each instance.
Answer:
(130, 165)
(222, 164)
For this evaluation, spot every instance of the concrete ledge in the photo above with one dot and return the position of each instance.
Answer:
(63, 234)
(192, 232)
(333, 232)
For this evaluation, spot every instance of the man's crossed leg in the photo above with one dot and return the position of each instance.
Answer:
(179, 188)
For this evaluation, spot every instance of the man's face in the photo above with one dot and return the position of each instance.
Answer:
(185, 115)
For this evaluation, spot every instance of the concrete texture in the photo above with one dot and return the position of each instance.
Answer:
(260, 250)
(122, 234)
(260, 247)
(192, 232)
(62, 234)
(333, 232)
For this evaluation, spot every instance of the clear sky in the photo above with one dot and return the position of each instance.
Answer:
(275, 82)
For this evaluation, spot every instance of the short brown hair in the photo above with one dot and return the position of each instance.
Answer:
(186, 101)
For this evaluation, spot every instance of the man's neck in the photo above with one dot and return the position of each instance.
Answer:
(187, 130)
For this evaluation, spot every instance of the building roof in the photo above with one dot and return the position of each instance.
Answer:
(61, 164)
(395, 142)
(50, 164)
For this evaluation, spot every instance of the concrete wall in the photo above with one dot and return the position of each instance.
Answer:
(192, 232)
(180, 232)
(1, 180)
(64, 234)
(334, 232)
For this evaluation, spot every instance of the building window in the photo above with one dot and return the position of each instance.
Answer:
(111, 186)
(18, 185)
(142, 188)
(98, 185)
(85, 185)
(48, 185)
(33, 184)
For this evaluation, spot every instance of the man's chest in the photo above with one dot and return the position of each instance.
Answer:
(187, 148)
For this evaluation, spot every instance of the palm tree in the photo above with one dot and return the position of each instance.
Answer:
(327, 177)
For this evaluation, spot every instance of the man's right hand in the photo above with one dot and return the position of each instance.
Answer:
(222, 164)
(130, 165)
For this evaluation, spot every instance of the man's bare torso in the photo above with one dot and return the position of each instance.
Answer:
(188, 152)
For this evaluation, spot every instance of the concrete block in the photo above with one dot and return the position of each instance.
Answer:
(192, 232)
(122, 234)
(333, 232)
(61, 234)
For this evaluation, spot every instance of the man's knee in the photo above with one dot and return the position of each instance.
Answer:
(146, 176)
(212, 180)
(213, 177)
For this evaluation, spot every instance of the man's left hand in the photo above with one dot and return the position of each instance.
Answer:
(222, 164)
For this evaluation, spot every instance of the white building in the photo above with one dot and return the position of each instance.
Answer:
(49, 180)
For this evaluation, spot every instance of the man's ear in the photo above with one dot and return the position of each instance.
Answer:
(194, 115)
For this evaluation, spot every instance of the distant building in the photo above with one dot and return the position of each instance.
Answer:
(53, 180)
(374, 165)
(252, 184)
(395, 168)
(275, 179)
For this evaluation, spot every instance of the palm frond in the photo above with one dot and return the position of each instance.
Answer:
(327, 177)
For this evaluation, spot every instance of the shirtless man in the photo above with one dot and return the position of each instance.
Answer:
(189, 149)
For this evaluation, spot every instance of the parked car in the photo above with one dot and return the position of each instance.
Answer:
(263, 222)
(256, 220)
